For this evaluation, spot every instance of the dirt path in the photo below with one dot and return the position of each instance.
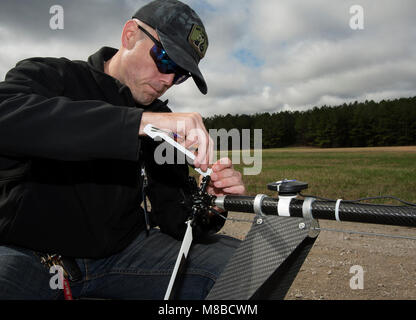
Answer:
(389, 264)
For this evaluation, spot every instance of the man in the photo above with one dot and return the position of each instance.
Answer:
(72, 149)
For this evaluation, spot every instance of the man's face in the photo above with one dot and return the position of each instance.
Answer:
(140, 72)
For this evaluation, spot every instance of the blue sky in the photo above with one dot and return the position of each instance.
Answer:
(264, 55)
(248, 58)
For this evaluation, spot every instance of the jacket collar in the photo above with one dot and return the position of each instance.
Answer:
(97, 59)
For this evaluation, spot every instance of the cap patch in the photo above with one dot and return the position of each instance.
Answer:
(198, 40)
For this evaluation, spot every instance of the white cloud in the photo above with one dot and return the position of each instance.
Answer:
(264, 55)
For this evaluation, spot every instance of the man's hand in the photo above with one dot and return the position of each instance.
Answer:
(188, 126)
(225, 179)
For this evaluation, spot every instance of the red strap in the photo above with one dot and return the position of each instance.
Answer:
(67, 290)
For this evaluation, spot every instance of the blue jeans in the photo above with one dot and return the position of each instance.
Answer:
(140, 271)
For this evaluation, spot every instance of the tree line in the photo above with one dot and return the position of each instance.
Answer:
(366, 124)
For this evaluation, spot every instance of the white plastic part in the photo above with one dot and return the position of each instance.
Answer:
(283, 206)
(183, 252)
(154, 132)
(337, 210)
(307, 207)
(258, 200)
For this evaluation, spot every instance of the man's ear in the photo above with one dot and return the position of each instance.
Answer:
(129, 35)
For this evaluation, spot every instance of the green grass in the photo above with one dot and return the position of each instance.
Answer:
(346, 174)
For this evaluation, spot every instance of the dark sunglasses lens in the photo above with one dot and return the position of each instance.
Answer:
(166, 65)
(163, 62)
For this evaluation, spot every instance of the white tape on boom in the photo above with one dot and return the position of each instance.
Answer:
(283, 206)
(337, 210)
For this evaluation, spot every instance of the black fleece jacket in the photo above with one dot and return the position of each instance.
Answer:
(70, 159)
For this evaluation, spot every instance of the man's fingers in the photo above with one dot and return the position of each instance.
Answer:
(226, 178)
(228, 182)
(222, 164)
(205, 145)
(240, 189)
(226, 173)
(211, 150)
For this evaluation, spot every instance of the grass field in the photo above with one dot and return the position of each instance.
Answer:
(340, 173)
(389, 264)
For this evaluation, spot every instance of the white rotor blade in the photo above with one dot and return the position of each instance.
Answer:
(180, 261)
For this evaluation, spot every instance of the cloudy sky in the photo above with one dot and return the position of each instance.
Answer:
(264, 55)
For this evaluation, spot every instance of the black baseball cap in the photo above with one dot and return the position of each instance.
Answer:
(181, 33)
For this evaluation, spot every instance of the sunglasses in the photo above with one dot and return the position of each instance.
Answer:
(163, 63)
